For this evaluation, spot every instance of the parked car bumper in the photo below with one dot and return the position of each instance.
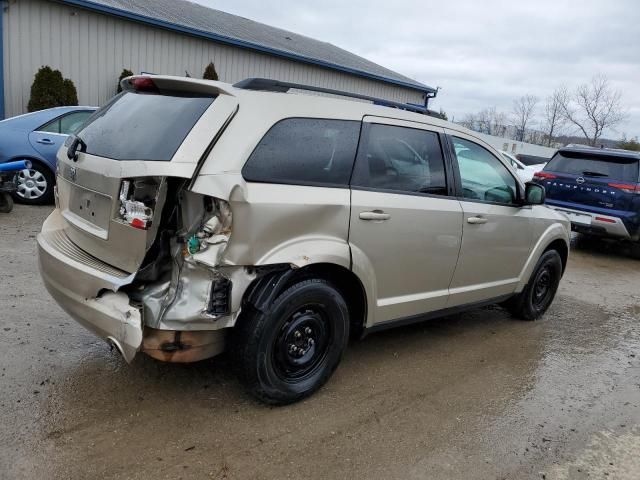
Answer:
(595, 223)
(87, 289)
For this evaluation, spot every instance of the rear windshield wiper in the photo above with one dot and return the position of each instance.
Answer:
(73, 148)
(594, 174)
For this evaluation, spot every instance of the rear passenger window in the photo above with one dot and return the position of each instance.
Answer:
(400, 159)
(305, 151)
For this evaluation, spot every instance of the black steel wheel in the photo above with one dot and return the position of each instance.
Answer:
(290, 349)
(539, 293)
(542, 286)
(302, 343)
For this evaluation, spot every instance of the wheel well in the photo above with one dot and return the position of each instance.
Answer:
(267, 287)
(35, 160)
(561, 247)
(347, 283)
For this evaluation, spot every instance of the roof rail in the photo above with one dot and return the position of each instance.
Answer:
(269, 85)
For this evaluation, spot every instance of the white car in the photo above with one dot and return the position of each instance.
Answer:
(525, 172)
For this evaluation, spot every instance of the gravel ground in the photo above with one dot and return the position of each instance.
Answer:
(476, 395)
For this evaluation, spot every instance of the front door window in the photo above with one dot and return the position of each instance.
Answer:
(483, 176)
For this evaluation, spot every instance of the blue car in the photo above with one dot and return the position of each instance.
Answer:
(37, 137)
(598, 189)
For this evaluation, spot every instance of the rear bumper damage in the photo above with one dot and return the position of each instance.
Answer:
(178, 320)
(75, 283)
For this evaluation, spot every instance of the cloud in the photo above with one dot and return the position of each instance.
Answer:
(481, 53)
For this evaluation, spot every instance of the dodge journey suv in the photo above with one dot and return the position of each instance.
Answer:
(194, 217)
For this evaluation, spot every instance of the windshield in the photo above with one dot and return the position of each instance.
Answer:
(616, 168)
(142, 126)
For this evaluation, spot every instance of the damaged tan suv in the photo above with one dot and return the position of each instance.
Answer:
(194, 217)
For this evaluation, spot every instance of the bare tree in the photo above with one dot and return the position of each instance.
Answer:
(523, 111)
(469, 121)
(491, 122)
(554, 120)
(593, 108)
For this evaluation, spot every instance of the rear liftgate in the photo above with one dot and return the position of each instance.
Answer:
(139, 217)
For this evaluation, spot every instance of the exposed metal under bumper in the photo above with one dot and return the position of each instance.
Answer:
(182, 346)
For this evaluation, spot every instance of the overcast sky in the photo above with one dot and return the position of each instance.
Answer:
(482, 53)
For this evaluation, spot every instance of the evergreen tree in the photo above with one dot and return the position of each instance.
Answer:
(50, 89)
(125, 73)
(210, 72)
(69, 92)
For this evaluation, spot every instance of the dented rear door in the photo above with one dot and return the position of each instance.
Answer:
(114, 190)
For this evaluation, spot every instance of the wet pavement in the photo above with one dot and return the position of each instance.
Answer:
(476, 395)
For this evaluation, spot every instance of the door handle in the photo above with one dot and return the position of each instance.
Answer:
(45, 141)
(375, 215)
(476, 220)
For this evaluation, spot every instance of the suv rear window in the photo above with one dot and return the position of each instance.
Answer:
(305, 151)
(142, 126)
(613, 167)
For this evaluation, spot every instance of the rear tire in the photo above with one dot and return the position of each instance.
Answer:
(635, 250)
(289, 350)
(538, 294)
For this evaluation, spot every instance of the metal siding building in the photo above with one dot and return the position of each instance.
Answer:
(91, 42)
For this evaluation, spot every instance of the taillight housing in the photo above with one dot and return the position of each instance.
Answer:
(135, 212)
(544, 176)
(626, 187)
(143, 84)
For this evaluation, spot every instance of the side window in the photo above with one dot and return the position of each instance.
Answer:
(72, 122)
(52, 127)
(305, 151)
(400, 159)
(483, 176)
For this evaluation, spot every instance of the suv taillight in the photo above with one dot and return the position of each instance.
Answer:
(626, 187)
(543, 175)
(132, 211)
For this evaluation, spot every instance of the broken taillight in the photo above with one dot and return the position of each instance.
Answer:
(133, 212)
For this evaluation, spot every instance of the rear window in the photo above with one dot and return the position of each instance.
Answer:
(142, 126)
(616, 168)
(305, 151)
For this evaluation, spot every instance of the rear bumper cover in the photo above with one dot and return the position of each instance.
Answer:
(595, 223)
(77, 282)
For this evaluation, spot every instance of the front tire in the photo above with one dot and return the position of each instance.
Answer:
(289, 350)
(35, 185)
(538, 294)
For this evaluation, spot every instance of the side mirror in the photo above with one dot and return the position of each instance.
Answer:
(534, 194)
